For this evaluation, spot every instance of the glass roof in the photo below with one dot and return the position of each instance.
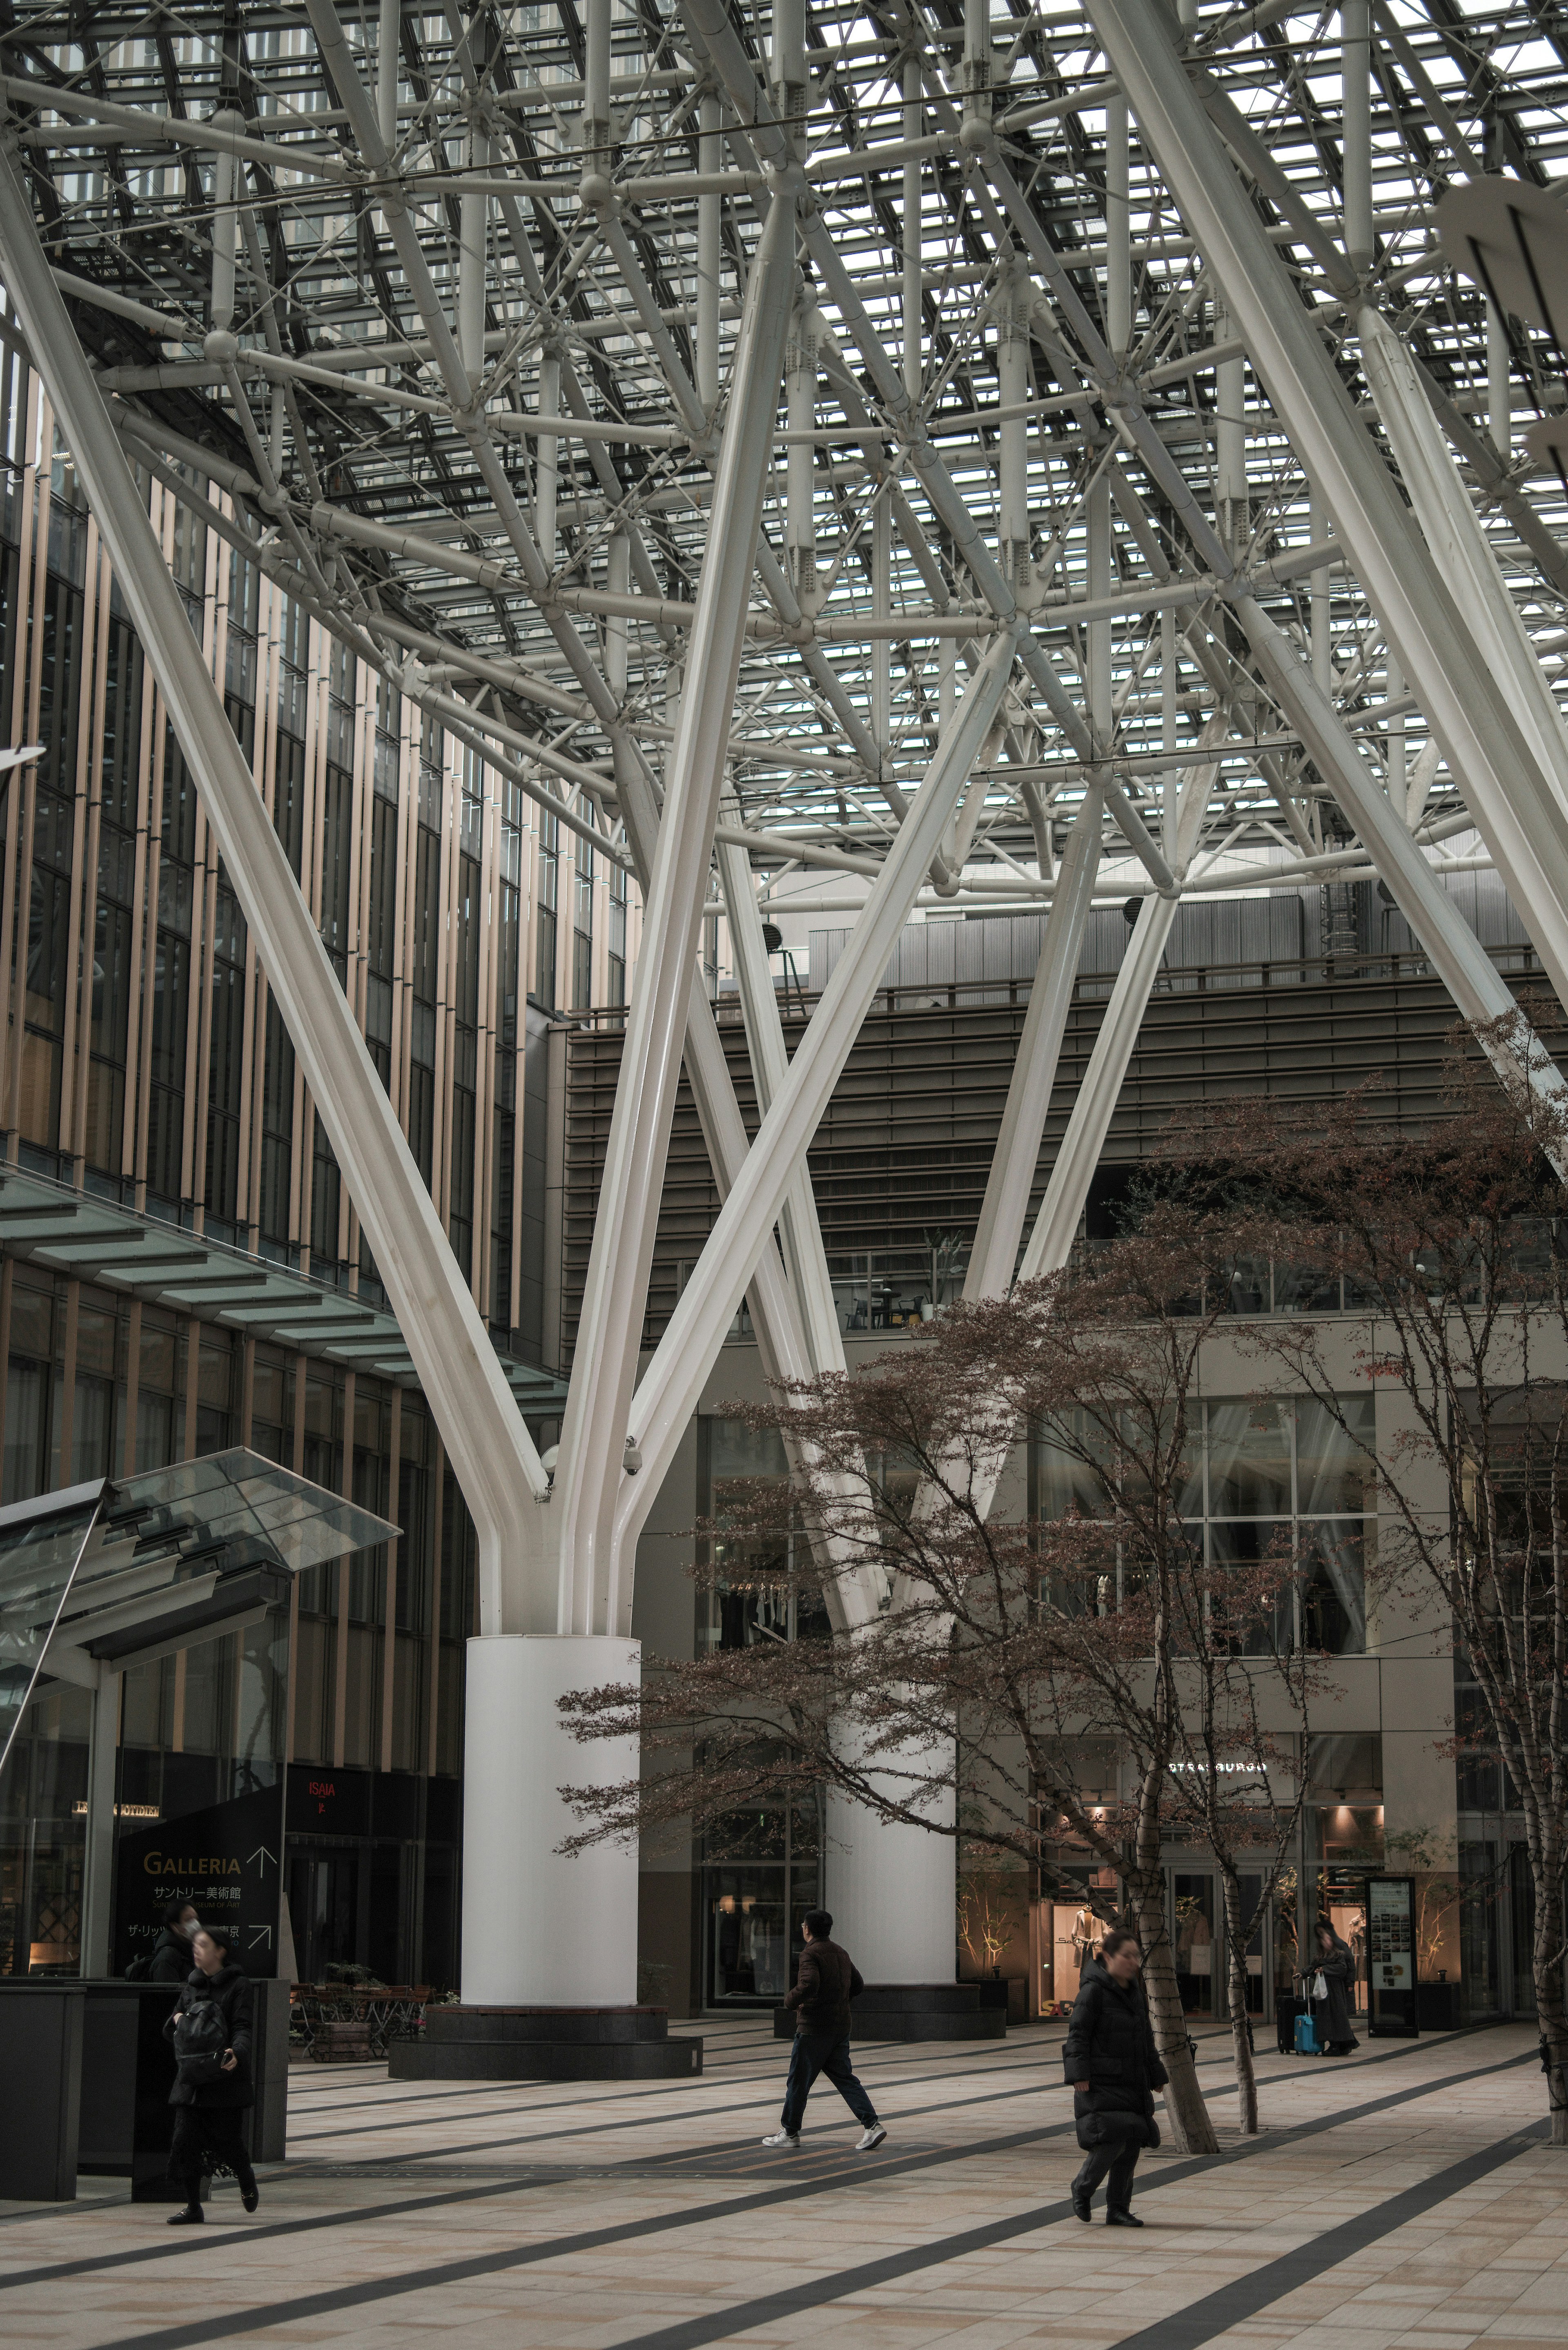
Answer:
(600, 292)
(145, 1555)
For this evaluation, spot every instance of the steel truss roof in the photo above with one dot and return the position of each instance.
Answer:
(225, 242)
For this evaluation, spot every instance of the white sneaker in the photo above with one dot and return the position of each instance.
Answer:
(873, 2137)
(782, 2137)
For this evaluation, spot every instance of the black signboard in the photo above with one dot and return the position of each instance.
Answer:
(1391, 1957)
(225, 1859)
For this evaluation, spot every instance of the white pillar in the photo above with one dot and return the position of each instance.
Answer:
(893, 1888)
(540, 1929)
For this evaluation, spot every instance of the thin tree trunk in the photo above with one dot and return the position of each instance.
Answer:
(1191, 2130)
(1236, 1986)
(1549, 2003)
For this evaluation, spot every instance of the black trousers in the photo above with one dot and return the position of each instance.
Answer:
(205, 2137)
(811, 2056)
(1115, 2162)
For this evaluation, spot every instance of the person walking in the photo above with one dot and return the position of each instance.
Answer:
(212, 2032)
(168, 1961)
(1113, 2068)
(1336, 1973)
(826, 1982)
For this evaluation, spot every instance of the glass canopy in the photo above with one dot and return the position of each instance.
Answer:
(104, 1573)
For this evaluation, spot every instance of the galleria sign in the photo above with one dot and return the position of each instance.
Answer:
(156, 1864)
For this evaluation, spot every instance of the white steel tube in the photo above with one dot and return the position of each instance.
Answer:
(1006, 1203)
(799, 1228)
(672, 1385)
(1516, 806)
(800, 461)
(1355, 67)
(1098, 509)
(1480, 992)
(390, 34)
(546, 458)
(472, 262)
(1051, 1238)
(1118, 229)
(227, 172)
(913, 320)
(489, 1446)
(595, 1432)
(1498, 384)
(709, 252)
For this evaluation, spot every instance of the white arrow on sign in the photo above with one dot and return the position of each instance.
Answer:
(260, 1934)
(262, 1854)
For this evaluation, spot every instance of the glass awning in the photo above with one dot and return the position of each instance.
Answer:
(108, 1575)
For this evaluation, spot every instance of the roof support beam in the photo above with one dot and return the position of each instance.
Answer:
(489, 1446)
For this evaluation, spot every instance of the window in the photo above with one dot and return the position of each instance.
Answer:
(737, 1459)
(615, 992)
(549, 886)
(1268, 1478)
(583, 927)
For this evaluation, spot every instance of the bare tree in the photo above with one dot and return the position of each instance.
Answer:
(1005, 1642)
(1454, 1248)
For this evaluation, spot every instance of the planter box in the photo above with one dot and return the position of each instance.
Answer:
(342, 2043)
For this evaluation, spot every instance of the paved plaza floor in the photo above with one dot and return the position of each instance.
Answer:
(1403, 2197)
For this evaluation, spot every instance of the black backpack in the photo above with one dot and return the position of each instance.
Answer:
(140, 1969)
(200, 2037)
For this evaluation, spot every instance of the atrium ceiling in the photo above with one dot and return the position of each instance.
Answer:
(445, 306)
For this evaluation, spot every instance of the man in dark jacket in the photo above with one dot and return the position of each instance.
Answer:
(212, 2030)
(1113, 2069)
(828, 1980)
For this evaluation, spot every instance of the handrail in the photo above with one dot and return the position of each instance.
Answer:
(915, 997)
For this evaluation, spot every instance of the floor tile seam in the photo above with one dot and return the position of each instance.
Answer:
(562, 2104)
(691, 2334)
(662, 2223)
(1026, 2088)
(1333, 2249)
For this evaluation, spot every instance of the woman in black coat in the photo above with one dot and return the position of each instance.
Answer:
(171, 1959)
(213, 2033)
(1337, 1965)
(1113, 2069)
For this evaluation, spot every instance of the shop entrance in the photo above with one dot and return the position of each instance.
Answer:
(323, 1910)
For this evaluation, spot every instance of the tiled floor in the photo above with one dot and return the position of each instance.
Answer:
(1397, 2199)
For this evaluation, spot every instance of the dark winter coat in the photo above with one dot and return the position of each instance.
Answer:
(230, 1987)
(826, 1982)
(170, 1961)
(1110, 2049)
(1337, 1968)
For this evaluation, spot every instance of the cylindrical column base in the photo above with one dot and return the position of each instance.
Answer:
(541, 1930)
(892, 1888)
(545, 2043)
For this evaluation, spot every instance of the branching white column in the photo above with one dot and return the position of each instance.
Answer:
(595, 1434)
(672, 1385)
(1006, 1202)
(489, 1449)
(1068, 1189)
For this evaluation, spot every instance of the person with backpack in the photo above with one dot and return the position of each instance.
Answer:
(828, 1980)
(1113, 2069)
(169, 1960)
(212, 2030)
